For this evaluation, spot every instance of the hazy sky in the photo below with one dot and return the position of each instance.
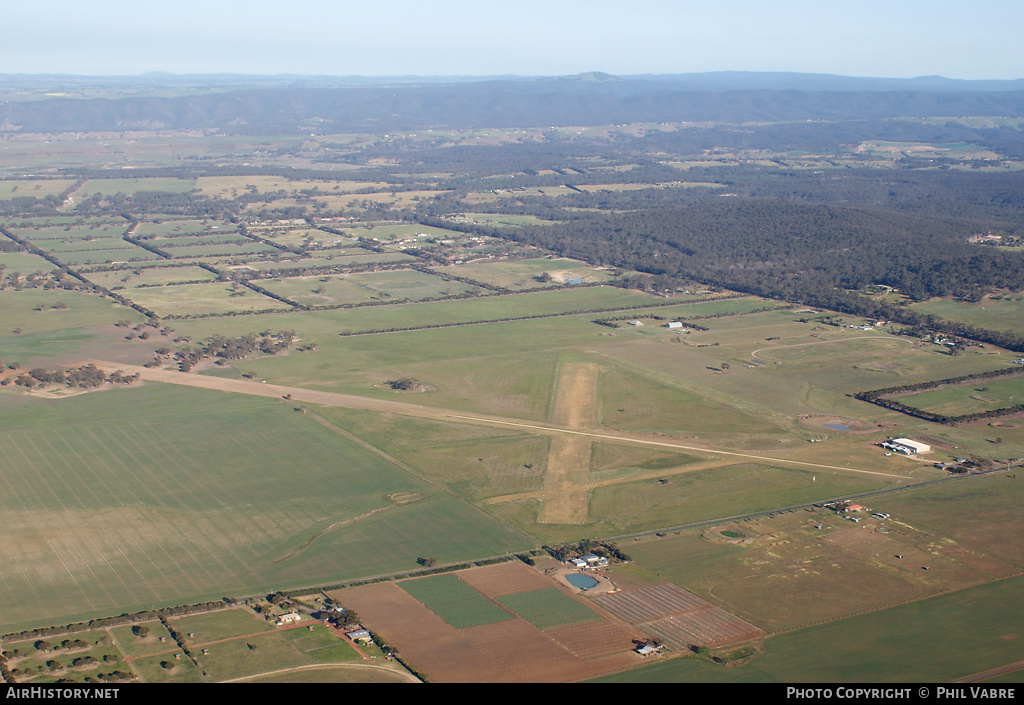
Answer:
(889, 38)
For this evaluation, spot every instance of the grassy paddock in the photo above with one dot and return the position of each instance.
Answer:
(523, 274)
(978, 396)
(718, 492)
(149, 276)
(109, 187)
(474, 462)
(23, 263)
(39, 188)
(193, 299)
(548, 607)
(397, 285)
(162, 495)
(454, 601)
(1000, 312)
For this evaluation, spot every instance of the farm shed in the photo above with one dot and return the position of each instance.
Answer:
(647, 649)
(905, 445)
(674, 324)
(359, 635)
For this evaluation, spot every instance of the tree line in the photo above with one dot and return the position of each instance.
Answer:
(884, 398)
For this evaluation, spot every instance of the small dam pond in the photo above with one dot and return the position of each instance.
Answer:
(578, 580)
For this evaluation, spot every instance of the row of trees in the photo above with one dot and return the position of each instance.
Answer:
(85, 377)
(605, 549)
(884, 398)
(223, 348)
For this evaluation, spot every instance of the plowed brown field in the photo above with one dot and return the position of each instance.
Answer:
(513, 651)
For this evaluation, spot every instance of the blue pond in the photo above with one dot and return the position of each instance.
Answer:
(578, 580)
(836, 426)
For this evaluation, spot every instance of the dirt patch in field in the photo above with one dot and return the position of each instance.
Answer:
(727, 534)
(856, 537)
(575, 402)
(504, 579)
(677, 617)
(593, 639)
(406, 497)
(566, 499)
(806, 594)
(819, 422)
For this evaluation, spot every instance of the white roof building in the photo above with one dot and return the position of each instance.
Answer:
(905, 445)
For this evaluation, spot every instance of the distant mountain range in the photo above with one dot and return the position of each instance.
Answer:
(287, 104)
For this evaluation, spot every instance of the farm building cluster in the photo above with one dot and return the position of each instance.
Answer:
(906, 446)
(589, 560)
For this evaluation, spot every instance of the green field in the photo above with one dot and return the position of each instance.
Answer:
(394, 286)
(85, 258)
(196, 299)
(157, 640)
(226, 186)
(548, 607)
(998, 312)
(44, 233)
(518, 275)
(154, 669)
(172, 228)
(149, 276)
(108, 187)
(36, 328)
(23, 263)
(261, 653)
(472, 461)
(196, 239)
(235, 247)
(454, 601)
(956, 400)
(219, 625)
(130, 499)
(721, 492)
(40, 188)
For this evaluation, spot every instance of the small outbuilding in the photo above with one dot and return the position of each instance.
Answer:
(673, 324)
(647, 649)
